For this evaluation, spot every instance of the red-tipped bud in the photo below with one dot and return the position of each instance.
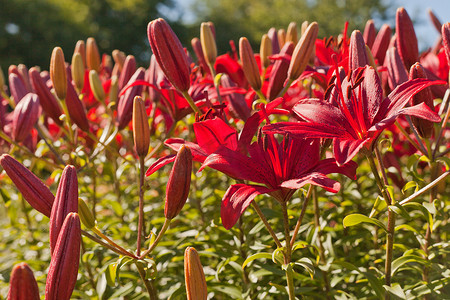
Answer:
(129, 68)
(424, 127)
(23, 72)
(63, 270)
(169, 54)
(408, 48)
(279, 71)
(33, 190)
(437, 24)
(25, 115)
(17, 87)
(381, 43)
(141, 130)
(80, 48)
(249, 64)
(292, 33)
(77, 70)
(125, 103)
(369, 33)
(303, 51)
(265, 50)
(154, 75)
(446, 40)
(58, 72)
(194, 277)
(92, 55)
(179, 183)
(272, 33)
(66, 201)
(397, 73)
(208, 42)
(357, 51)
(48, 102)
(201, 61)
(22, 284)
(76, 108)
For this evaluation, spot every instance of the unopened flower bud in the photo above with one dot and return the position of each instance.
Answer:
(169, 54)
(272, 33)
(303, 51)
(408, 48)
(249, 64)
(66, 201)
(17, 87)
(397, 73)
(194, 277)
(86, 216)
(179, 183)
(446, 40)
(80, 48)
(119, 58)
(77, 70)
(25, 115)
(265, 50)
(305, 25)
(369, 33)
(114, 90)
(357, 51)
(437, 24)
(129, 68)
(63, 270)
(125, 103)
(96, 86)
(58, 73)
(197, 47)
(208, 42)
(92, 55)
(77, 111)
(279, 71)
(22, 284)
(370, 59)
(141, 129)
(33, 190)
(292, 33)
(381, 43)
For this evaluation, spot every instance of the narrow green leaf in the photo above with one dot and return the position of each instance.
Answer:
(397, 263)
(355, 219)
(410, 185)
(395, 290)
(256, 256)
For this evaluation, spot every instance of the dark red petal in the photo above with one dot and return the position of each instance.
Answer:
(345, 150)
(316, 179)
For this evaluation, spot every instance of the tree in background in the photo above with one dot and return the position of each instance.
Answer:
(252, 18)
(29, 30)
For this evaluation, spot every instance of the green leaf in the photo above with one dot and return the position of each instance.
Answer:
(110, 273)
(397, 263)
(410, 185)
(430, 207)
(395, 290)
(400, 210)
(355, 219)
(307, 264)
(256, 256)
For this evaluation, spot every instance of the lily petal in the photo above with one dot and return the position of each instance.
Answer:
(345, 150)
(316, 179)
(211, 134)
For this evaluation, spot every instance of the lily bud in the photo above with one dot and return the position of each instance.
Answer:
(305, 25)
(58, 73)
(113, 90)
(424, 127)
(77, 111)
(66, 201)
(197, 47)
(141, 130)
(446, 40)
(119, 58)
(80, 48)
(125, 103)
(303, 51)
(279, 71)
(381, 43)
(397, 73)
(406, 38)
(194, 277)
(370, 59)
(357, 51)
(179, 183)
(22, 284)
(169, 54)
(437, 24)
(2, 80)
(33, 190)
(85, 214)
(238, 105)
(17, 87)
(208, 42)
(281, 37)
(265, 50)
(63, 270)
(291, 33)
(92, 55)
(25, 115)
(129, 68)
(77, 70)
(96, 86)
(249, 64)
(23, 72)
(369, 33)
(274, 39)
(48, 102)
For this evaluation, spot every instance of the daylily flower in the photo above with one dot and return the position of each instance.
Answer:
(356, 114)
(280, 168)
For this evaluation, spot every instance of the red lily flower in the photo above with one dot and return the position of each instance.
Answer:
(281, 168)
(356, 114)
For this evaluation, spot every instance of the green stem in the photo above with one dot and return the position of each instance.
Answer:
(287, 257)
(148, 284)
(191, 102)
(426, 188)
(261, 96)
(112, 243)
(441, 130)
(302, 214)
(158, 238)
(113, 249)
(290, 284)
(141, 204)
(413, 142)
(286, 87)
(266, 223)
